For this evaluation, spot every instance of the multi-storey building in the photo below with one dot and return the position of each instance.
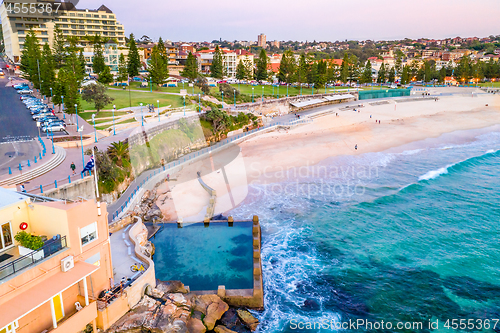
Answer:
(55, 287)
(261, 40)
(73, 22)
(229, 61)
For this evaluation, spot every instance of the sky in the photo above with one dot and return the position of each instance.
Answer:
(325, 20)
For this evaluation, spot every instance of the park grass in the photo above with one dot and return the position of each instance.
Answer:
(102, 114)
(488, 84)
(121, 100)
(176, 90)
(102, 128)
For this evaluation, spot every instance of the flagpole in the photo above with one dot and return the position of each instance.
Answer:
(96, 184)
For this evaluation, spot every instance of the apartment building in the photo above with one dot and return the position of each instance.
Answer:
(261, 41)
(111, 53)
(55, 287)
(73, 22)
(229, 61)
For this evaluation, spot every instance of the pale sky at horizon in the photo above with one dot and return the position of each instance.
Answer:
(331, 20)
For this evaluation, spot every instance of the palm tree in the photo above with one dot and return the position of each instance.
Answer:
(119, 152)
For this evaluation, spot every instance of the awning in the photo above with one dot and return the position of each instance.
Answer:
(42, 292)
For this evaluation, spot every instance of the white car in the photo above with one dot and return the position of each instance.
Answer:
(54, 128)
(25, 91)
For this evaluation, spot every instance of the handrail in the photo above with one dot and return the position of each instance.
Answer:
(50, 247)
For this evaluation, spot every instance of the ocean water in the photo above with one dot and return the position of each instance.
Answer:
(205, 257)
(405, 236)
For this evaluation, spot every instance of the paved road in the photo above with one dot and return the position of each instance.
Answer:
(17, 130)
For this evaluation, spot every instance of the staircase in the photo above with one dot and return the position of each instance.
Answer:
(56, 159)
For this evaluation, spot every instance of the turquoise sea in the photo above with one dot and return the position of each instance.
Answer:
(408, 235)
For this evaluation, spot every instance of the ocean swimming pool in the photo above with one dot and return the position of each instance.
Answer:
(204, 258)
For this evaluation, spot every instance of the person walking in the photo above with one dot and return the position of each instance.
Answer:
(73, 167)
(23, 189)
(356, 147)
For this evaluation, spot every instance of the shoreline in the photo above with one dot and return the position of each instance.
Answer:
(411, 124)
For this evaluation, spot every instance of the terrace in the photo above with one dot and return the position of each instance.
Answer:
(18, 258)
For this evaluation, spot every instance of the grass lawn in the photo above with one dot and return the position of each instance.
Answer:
(102, 114)
(488, 84)
(131, 120)
(121, 100)
(177, 90)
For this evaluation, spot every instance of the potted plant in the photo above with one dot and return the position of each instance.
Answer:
(28, 244)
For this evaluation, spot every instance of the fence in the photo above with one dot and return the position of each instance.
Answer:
(131, 194)
(59, 182)
(384, 93)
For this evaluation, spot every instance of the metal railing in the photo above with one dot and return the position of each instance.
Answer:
(135, 190)
(49, 248)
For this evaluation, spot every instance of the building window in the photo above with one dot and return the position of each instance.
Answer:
(21, 32)
(88, 233)
(45, 40)
(5, 235)
(19, 25)
(45, 33)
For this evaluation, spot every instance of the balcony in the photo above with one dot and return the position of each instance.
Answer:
(77, 319)
(18, 261)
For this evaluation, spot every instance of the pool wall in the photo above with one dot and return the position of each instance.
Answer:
(250, 298)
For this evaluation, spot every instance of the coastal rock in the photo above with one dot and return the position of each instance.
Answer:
(211, 306)
(171, 287)
(248, 319)
(144, 314)
(154, 293)
(222, 329)
(195, 325)
(231, 321)
(311, 304)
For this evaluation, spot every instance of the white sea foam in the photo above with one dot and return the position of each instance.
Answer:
(411, 152)
(434, 173)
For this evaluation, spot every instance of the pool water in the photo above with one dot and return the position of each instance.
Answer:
(204, 258)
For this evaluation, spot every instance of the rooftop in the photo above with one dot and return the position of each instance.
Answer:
(10, 197)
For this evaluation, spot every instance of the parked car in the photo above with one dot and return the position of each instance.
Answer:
(54, 128)
(41, 115)
(20, 86)
(25, 91)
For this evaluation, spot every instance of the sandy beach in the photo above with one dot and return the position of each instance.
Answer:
(264, 158)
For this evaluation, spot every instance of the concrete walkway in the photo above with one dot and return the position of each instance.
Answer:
(122, 254)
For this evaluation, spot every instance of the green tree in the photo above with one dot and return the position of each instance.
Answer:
(134, 60)
(96, 93)
(70, 77)
(261, 72)
(191, 68)
(366, 77)
(241, 71)
(122, 69)
(82, 62)
(344, 69)
(216, 69)
(405, 77)
(105, 77)
(119, 153)
(30, 57)
(158, 70)
(219, 119)
(98, 62)
(381, 74)
(47, 70)
(288, 67)
(58, 48)
(392, 75)
(302, 69)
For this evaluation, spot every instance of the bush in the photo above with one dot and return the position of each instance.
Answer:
(28, 241)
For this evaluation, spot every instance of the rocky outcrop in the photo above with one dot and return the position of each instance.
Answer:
(248, 319)
(170, 308)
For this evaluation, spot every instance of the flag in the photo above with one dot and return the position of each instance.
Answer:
(90, 165)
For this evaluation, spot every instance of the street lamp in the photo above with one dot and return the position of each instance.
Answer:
(252, 95)
(234, 94)
(278, 91)
(158, 101)
(151, 83)
(199, 102)
(222, 92)
(81, 139)
(114, 109)
(287, 90)
(95, 132)
(142, 117)
(76, 110)
(52, 137)
(64, 114)
(312, 89)
(185, 104)
(262, 93)
(51, 94)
